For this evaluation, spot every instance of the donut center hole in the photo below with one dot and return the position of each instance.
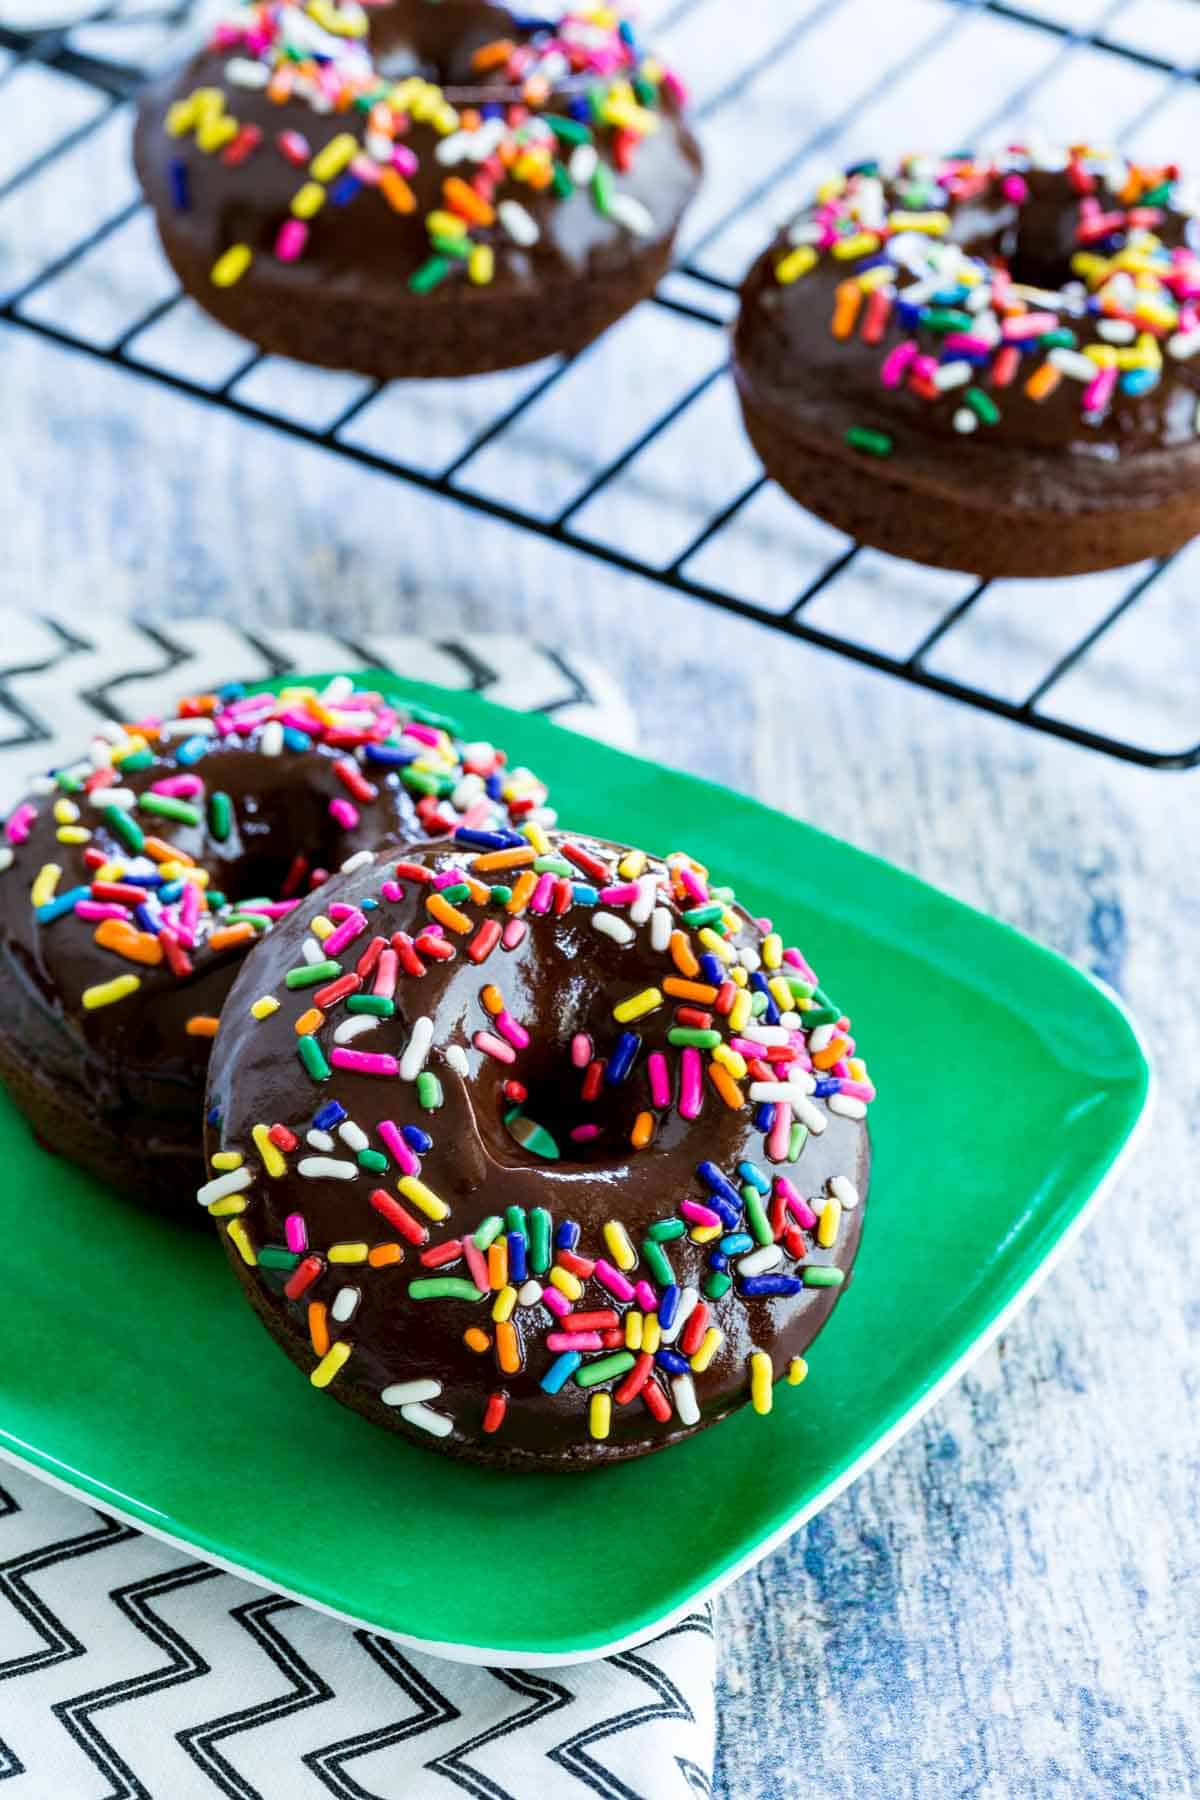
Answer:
(440, 42)
(555, 1123)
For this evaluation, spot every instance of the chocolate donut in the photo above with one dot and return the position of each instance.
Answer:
(135, 880)
(990, 365)
(535, 1149)
(430, 187)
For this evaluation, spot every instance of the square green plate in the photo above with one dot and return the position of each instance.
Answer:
(1010, 1085)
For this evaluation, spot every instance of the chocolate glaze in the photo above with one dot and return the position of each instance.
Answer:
(359, 255)
(802, 387)
(563, 978)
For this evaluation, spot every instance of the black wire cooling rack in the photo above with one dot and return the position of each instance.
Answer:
(1059, 658)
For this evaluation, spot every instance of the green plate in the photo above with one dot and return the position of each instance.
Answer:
(1010, 1084)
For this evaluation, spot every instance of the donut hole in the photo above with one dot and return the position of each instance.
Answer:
(440, 42)
(544, 1126)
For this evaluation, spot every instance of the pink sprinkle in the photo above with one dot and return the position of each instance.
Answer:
(178, 787)
(660, 1079)
(514, 931)
(272, 909)
(477, 816)
(558, 1303)
(583, 1134)
(691, 1084)
(295, 1232)
(781, 1130)
(392, 891)
(1028, 325)
(697, 1214)
(386, 970)
(404, 160)
(967, 343)
(674, 87)
(691, 881)
(424, 734)
(543, 894)
(924, 368)
(513, 1030)
(343, 813)
(364, 1062)
(794, 960)
(19, 826)
(858, 1090)
(397, 1148)
(1099, 391)
(345, 933)
(574, 1340)
(338, 910)
(94, 910)
(623, 893)
(645, 1296)
(491, 1045)
(799, 1208)
(446, 878)
(581, 1050)
(896, 363)
(613, 1280)
(291, 239)
(477, 1265)
(1014, 187)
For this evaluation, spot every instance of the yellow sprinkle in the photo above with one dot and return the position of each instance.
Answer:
(264, 1006)
(651, 1334)
(229, 1207)
(795, 264)
(347, 1253)
(739, 1012)
(733, 1060)
(502, 1308)
(797, 1370)
(334, 156)
(827, 1228)
(762, 1376)
(445, 224)
(566, 1283)
(712, 940)
(227, 1159)
(704, 1234)
(600, 1415)
(321, 927)
(423, 1198)
(73, 834)
(781, 993)
(637, 1006)
(230, 267)
(631, 865)
(241, 1238)
(772, 950)
(633, 1329)
(862, 243)
(619, 1246)
(65, 811)
(739, 976)
(481, 265)
(272, 1161)
(935, 224)
(129, 746)
(537, 837)
(334, 1359)
(44, 884)
(106, 992)
(213, 134)
(308, 200)
(709, 1345)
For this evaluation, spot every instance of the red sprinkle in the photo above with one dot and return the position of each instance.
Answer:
(303, 1276)
(494, 1411)
(635, 1381)
(399, 1217)
(337, 990)
(485, 940)
(282, 1138)
(448, 1252)
(656, 1401)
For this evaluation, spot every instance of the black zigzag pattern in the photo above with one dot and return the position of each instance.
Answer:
(59, 1643)
(546, 1696)
(432, 1709)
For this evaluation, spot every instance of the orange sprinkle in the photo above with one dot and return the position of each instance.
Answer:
(493, 999)
(231, 935)
(477, 1340)
(726, 1086)
(497, 1264)
(508, 1348)
(682, 954)
(832, 1053)
(464, 201)
(493, 55)
(447, 915)
(396, 191)
(383, 1254)
(504, 859)
(522, 892)
(135, 946)
(160, 852)
(309, 1022)
(845, 312)
(480, 892)
(643, 1130)
(280, 85)
(318, 1326)
(1043, 381)
(689, 990)
(202, 1025)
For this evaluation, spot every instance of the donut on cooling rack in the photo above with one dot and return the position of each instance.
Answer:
(134, 881)
(537, 1150)
(990, 365)
(427, 187)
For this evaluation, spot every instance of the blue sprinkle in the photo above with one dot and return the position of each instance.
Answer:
(1139, 381)
(145, 918)
(390, 755)
(560, 1371)
(487, 840)
(771, 1284)
(585, 895)
(416, 1139)
(62, 903)
(171, 892)
(754, 1177)
(723, 1196)
(758, 982)
(517, 1262)
(623, 1057)
(718, 1260)
(712, 968)
(567, 1235)
(345, 188)
(332, 1113)
(579, 109)
(295, 739)
(181, 194)
(493, 787)
(232, 690)
(143, 881)
(668, 1306)
(736, 1242)
(828, 1085)
(191, 750)
(764, 1116)
(671, 1359)
(492, 110)
(214, 1112)
(368, 905)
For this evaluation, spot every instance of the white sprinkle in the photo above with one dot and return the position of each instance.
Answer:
(772, 1090)
(643, 906)
(1116, 331)
(437, 1424)
(1184, 345)
(965, 420)
(469, 789)
(749, 958)
(6, 859)
(411, 1393)
(520, 225)
(759, 1261)
(661, 927)
(224, 1185)
(456, 1059)
(270, 742)
(821, 1037)
(844, 1190)
(353, 1136)
(345, 1304)
(807, 1113)
(619, 930)
(1072, 363)
(529, 1293)
(327, 1168)
(800, 1078)
(583, 164)
(116, 734)
(312, 952)
(847, 1106)
(378, 146)
(359, 860)
(413, 1060)
(953, 374)
(351, 1028)
(764, 1034)
(684, 1390)
(188, 728)
(125, 798)
(688, 1302)
(320, 1140)
(101, 754)
(241, 72)
(337, 689)
(630, 212)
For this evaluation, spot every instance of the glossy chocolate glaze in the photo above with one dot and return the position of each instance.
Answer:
(363, 251)
(563, 978)
(810, 386)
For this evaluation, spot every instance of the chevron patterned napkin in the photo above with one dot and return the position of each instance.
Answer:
(128, 1669)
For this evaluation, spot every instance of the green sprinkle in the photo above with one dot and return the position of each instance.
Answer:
(1062, 338)
(443, 1287)
(133, 763)
(274, 1256)
(570, 131)
(607, 1368)
(216, 900)
(873, 443)
(500, 896)
(429, 1091)
(429, 274)
(552, 865)
(647, 93)
(796, 1142)
(489, 1231)
(819, 1015)
(656, 1259)
(704, 915)
(756, 1216)
(374, 1161)
(758, 1004)
(531, 1136)
(561, 182)
(421, 781)
(456, 891)
(378, 1005)
(313, 1058)
(458, 247)
(666, 1231)
(803, 990)
(127, 829)
(946, 318)
(514, 1220)
(260, 921)
(823, 1277)
(687, 1036)
(166, 808)
(68, 783)
(982, 405)
(602, 190)
(539, 1240)
(1157, 196)
(312, 974)
(717, 1284)
(220, 815)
